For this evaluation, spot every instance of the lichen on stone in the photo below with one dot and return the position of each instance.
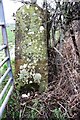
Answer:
(30, 39)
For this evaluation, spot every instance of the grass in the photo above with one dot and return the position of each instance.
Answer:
(9, 33)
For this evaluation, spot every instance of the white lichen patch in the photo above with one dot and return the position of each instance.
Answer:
(35, 47)
(28, 6)
(39, 48)
(35, 61)
(30, 33)
(39, 18)
(36, 8)
(30, 43)
(30, 82)
(21, 67)
(34, 14)
(27, 13)
(26, 29)
(33, 67)
(23, 11)
(41, 28)
(24, 66)
(37, 78)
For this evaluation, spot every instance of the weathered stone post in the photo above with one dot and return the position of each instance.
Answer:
(31, 45)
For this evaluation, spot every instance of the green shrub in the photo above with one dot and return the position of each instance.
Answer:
(57, 114)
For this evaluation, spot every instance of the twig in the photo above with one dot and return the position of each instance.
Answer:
(34, 109)
(58, 51)
(64, 109)
(23, 111)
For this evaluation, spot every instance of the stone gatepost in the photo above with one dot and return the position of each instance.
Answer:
(31, 45)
